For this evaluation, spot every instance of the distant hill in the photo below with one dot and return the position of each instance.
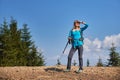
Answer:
(57, 73)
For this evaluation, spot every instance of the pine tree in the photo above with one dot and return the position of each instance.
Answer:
(1, 46)
(114, 59)
(3, 37)
(58, 62)
(26, 44)
(99, 64)
(25, 36)
(16, 46)
(74, 63)
(15, 39)
(5, 44)
(88, 63)
(40, 59)
(33, 57)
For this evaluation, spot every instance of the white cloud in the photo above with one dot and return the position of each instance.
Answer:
(87, 44)
(95, 48)
(112, 39)
(94, 45)
(97, 45)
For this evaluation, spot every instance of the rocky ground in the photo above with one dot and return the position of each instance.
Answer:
(57, 73)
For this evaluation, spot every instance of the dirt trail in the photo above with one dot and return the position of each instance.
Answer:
(57, 73)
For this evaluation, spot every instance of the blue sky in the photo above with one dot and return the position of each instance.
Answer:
(51, 20)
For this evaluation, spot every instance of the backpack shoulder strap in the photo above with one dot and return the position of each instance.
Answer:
(81, 33)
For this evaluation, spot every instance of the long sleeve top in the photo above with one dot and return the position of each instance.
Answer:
(76, 35)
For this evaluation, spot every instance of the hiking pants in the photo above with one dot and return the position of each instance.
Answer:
(80, 53)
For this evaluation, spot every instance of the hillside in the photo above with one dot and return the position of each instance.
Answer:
(56, 73)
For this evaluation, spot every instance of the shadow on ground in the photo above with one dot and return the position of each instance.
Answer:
(53, 69)
(3, 78)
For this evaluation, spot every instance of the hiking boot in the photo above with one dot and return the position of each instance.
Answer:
(79, 71)
(67, 70)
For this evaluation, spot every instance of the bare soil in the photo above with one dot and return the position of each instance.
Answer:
(57, 73)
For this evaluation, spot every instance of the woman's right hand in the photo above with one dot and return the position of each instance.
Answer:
(83, 22)
(69, 40)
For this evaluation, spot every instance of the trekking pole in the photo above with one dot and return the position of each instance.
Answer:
(64, 50)
(65, 47)
(61, 55)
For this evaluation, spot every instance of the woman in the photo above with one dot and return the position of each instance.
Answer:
(76, 39)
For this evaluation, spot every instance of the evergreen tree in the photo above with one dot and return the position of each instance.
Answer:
(33, 57)
(4, 33)
(88, 63)
(5, 41)
(74, 63)
(1, 46)
(114, 59)
(40, 59)
(16, 46)
(58, 62)
(99, 64)
(15, 41)
(25, 36)
(26, 44)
